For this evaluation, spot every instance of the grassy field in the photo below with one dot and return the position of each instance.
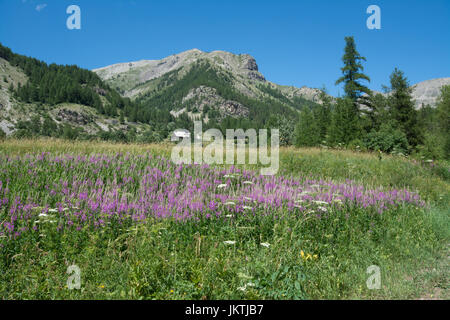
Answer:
(138, 226)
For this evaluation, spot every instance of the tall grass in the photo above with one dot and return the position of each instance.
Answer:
(278, 252)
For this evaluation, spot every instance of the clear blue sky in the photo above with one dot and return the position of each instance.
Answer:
(295, 42)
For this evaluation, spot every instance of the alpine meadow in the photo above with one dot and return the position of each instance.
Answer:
(92, 205)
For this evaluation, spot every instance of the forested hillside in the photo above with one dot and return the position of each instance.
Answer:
(224, 91)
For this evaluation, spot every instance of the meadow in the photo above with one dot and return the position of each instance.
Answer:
(140, 227)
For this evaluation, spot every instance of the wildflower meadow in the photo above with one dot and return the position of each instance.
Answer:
(139, 226)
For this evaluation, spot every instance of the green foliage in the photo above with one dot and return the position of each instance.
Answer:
(53, 84)
(166, 259)
(322, 114)
(307, 131)
(345, 125)
(158, 104)
(432, 147)
(402, 108)
(286, 127)
(352, 72)
(387, 139)
(443, 115)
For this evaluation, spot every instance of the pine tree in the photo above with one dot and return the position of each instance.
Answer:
(306, 132)
(402, 107)
(443, 115)
(345, 125)
(377, 114)
(352, 72)
(322, 113)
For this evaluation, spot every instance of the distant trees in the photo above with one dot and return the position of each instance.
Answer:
(345, 125)
(402, 108)
(2, 134)
(323, 115)
(389, 123)
(437, 138)
(53, 84)
(443, 111)
(307, 131)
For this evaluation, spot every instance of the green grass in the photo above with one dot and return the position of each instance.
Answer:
(164, 259)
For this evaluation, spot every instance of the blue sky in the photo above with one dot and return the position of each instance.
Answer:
(294, 42)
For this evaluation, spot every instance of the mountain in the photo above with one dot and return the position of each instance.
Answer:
(37, 99)
(222, 82)
(146, 100)
(132, 78)
(427, 92)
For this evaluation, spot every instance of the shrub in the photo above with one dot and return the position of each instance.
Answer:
(432, 147)
(387, 139)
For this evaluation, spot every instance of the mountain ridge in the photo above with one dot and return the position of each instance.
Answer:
(424, 92)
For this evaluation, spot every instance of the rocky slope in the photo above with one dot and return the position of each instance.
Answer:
(13, 111)
(144, 78)
(427, 92)
(135, 78)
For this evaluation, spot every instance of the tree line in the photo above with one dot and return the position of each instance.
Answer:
(364, 119)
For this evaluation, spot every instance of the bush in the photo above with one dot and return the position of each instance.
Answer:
(432, 147)
(356, 145)
(387, 139)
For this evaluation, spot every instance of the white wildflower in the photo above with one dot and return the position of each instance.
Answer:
(247, 208)
(222, 186)
(229, 242)
(265, 244)
(320, 202)
(53, 210)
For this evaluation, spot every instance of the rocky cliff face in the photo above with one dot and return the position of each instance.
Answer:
(203, 97)
(144, 78)
(127, 76)
(427, 92)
